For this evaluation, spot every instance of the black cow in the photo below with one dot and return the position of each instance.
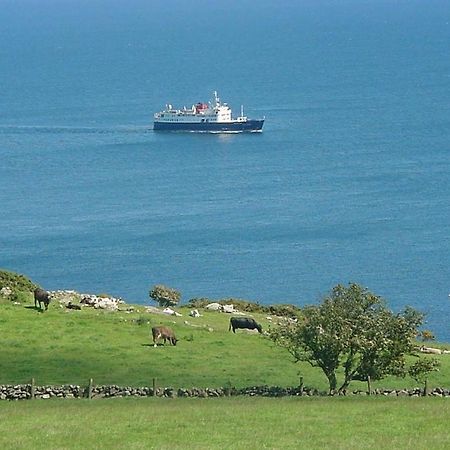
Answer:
(41, 296)
(244, 322)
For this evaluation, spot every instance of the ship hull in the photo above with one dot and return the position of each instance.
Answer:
(250, 126)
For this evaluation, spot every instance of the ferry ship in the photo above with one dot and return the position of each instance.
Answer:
(211, 117)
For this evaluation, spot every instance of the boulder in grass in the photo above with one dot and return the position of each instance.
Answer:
(228, 309)
(214, 306)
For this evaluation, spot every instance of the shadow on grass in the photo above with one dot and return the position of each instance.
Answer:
(158, 345)
(36, 308)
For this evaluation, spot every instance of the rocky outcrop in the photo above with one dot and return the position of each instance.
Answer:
(68, 299)
(110, 303)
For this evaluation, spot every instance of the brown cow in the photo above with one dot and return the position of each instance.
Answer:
(164, 333)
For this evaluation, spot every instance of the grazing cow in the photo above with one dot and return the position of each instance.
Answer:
(41, 296)
(244, 322)
(164, 333)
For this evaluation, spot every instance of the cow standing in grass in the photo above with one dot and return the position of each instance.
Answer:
(41, 297)
(244, 322)
(164, 333)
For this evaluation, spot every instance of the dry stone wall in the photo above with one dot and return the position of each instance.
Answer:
(27, 391)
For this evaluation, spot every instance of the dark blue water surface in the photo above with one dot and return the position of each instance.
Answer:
(350, 180)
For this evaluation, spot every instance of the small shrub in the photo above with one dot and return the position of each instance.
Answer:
(20, 297)
(285, 310)
(427, 335)
(198, 302)
(243, 305)
(142, 320)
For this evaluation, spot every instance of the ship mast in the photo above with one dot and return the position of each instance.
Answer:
(216, 99)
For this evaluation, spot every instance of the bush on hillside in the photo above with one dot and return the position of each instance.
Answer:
(284, 311)
(165, 296)
(427, 335)
(20, 285)
(243, 305)
(247, 306)
(16, 281)
(198, 302)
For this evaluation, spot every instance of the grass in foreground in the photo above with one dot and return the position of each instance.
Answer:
(244, 423)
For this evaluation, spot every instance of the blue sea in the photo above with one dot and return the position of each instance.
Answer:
(349, 181)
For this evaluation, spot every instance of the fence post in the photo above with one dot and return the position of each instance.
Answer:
(154, 387)
(91, 384)
(300, 386)
(227, 389)
(32, 389)
(369, 387)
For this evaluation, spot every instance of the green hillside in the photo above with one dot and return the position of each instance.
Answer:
(66, 346)
(63, 346)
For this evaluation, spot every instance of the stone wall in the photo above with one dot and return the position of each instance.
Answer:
(26, 391)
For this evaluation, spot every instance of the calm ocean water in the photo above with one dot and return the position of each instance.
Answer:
(350, 180)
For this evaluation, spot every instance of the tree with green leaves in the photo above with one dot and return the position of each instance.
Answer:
(351, 332)
(164, 296)
(422, 368)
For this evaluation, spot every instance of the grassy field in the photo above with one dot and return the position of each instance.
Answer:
(64, 346)
(229, 423)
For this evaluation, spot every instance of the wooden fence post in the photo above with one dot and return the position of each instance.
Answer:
(369, 387)
(300, 386)
(91, 384)
(154, 387)
(227, 389)
(32, 389)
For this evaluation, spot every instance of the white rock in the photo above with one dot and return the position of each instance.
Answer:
(214, 307)
(435, 351)
(5, 291)
(228, 309)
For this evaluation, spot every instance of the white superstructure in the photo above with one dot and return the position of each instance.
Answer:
(201, 112)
